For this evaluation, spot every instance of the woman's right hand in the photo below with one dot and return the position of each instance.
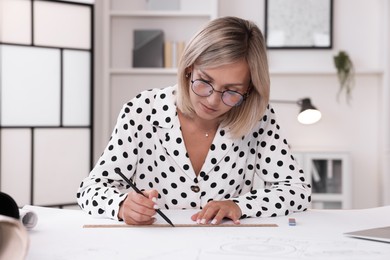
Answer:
(137, 209)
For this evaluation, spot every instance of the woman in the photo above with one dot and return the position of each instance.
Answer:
(210, 143)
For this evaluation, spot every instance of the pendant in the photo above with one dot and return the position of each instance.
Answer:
(206, 134)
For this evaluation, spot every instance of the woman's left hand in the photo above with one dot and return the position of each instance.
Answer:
(215, 211)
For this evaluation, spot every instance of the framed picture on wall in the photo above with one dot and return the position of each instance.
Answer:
(299, 24)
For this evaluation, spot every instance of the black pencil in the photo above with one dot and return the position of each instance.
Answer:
(118, 171)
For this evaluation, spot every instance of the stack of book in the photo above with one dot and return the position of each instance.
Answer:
(172, 53)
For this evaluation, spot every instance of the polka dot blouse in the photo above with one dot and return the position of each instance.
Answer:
(256, 171)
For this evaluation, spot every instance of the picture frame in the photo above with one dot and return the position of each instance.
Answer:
(302, 24)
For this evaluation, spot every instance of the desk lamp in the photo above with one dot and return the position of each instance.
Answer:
(308, 115)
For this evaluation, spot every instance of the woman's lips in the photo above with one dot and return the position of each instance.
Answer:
(208, 109)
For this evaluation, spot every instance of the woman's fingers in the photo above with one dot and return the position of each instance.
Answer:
(129, 219)
(215, 211)
(138, 209)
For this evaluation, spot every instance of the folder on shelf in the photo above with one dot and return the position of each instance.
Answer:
(148, 49)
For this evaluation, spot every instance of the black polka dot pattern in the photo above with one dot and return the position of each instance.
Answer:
(256, 171)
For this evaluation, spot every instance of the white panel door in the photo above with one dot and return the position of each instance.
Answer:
(15, 21)
(15, 165)
(76, 88)
(30, 80)
(61, 161)
(62, 25)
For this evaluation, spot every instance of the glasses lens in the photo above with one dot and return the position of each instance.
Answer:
(202, 88)
(232, 98)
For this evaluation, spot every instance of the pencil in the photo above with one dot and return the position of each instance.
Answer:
(118, 171)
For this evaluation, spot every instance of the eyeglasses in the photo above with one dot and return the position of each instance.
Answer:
(229, 97)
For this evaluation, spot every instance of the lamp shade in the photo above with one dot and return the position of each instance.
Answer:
(309, 114)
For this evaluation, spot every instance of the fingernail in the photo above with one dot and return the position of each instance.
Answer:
(155, 206)
(198, 221)
(237, 222)
(154, 199)
(203, 221)
(214, 222)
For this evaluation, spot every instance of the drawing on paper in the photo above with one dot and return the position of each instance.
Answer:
(287, 248)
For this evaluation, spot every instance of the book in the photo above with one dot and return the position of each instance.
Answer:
(167, 54)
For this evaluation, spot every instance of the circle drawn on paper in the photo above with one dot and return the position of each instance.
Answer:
(251, 248)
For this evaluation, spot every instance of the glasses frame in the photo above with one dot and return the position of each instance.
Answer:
(244, 96)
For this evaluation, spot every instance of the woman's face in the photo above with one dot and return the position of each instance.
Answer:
(235, 76)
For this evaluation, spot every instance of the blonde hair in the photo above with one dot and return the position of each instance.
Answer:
(224, 41)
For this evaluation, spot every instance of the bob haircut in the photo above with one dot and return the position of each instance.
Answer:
(223, 41)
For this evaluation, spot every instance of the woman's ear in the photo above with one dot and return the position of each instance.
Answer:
(188, 71)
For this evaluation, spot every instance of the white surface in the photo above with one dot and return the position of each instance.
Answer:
(318, 234)
(77, 85)
(57, 177)
(15, 21)
(30, 80)
(15, 176)
(62, 25)
(385, 117)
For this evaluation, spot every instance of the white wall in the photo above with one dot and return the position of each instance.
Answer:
(385, 117)
(355, 128)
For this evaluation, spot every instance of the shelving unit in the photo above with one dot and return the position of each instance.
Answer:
(330, 177)
(119, 80)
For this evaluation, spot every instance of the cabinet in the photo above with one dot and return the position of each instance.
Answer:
(330, 177)
(120, 81)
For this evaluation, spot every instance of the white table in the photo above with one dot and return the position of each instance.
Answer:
(318, 234)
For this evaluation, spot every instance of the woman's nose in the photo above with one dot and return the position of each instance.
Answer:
(214, 98)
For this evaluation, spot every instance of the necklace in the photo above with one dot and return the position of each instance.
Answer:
(206, 134)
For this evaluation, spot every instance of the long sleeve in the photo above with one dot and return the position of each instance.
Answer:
(283, 188)
(102, 191)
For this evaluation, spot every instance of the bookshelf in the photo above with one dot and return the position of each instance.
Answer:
(118, 80)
